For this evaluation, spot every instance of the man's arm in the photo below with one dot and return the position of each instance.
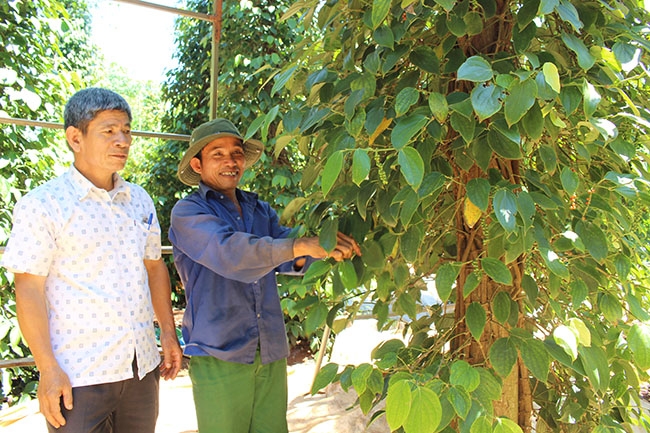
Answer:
(160, 288)
(31, 309)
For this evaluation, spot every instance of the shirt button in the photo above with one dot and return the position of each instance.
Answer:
(259, 315)
(238, 218)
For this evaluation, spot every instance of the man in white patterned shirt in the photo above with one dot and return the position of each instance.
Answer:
(85, 251)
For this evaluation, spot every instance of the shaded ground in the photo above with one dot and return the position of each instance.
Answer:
(326, 412)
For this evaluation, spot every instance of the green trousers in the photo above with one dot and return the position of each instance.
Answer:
(239, 398)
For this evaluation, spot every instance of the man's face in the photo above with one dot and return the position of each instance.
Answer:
(222, 164)
(104, 149)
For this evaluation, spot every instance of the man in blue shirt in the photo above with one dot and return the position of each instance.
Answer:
(228, 246)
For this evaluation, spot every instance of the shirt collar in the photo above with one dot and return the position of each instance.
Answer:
(85, 187)
(242, 196)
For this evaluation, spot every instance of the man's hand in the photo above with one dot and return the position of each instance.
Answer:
(53, 386)
(345, 248)
(172, 355)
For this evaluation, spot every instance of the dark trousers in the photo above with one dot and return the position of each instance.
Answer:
(129, 406)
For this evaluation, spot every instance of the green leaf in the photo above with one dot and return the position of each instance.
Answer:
(593, 238)
(464, 375)
(384, 37)
(471, 283)
(448, 5)
(405, 99)
(486, 100)
(398, 403)
(406, 128)
(623, 266)
(464, 125)
(328, 232)
(521, 97)
(505, 209)
(501, 306)
(372, 255)
(324, 377)
(579, 292)
(348, 274)
(530, 287)
(552, 76)
(610, 306)
(380, 9)
(411, 166)
(591, 98)
(570, 180)
(407, 303)
(627, 55)
(569, 13)
(446, 278)
(596, 366)
(581, 330)
(281, 79)
(503, 145)
(490, 388)
(527, 12)
(549, 158)
(425, 413)
(496, 270)
(553, 262)
(535, 357)
(473, 23)
(503, 356)
(360, 377)
(315, 318)
(410, 243)
(316, 270)
(638, 339)
(460, 400)
(456, 25)
(533, 122)
(360, 166)
(481, 425)
(585, 59)
(505, 425)
(567, 340)
(331, 171)
(478, 191)
(438, 106)
(475, 319)
(475, 69)
(425, 58)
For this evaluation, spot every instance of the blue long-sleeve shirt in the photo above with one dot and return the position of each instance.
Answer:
(227, 264)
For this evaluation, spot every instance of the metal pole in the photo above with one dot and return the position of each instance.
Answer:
(214, 69)
(183, 12)
(52, 125)
(321, 353)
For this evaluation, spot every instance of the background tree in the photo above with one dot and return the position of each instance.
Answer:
(44, 55)
(499, 147)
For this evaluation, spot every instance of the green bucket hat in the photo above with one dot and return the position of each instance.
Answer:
(205, 134)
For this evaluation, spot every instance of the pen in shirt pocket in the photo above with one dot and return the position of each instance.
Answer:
(148, 221)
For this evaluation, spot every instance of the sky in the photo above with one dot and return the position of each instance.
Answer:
(138, 38)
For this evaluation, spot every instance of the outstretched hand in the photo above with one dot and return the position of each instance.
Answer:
(346, 247)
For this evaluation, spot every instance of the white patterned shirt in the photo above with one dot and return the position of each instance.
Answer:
(90, 244)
